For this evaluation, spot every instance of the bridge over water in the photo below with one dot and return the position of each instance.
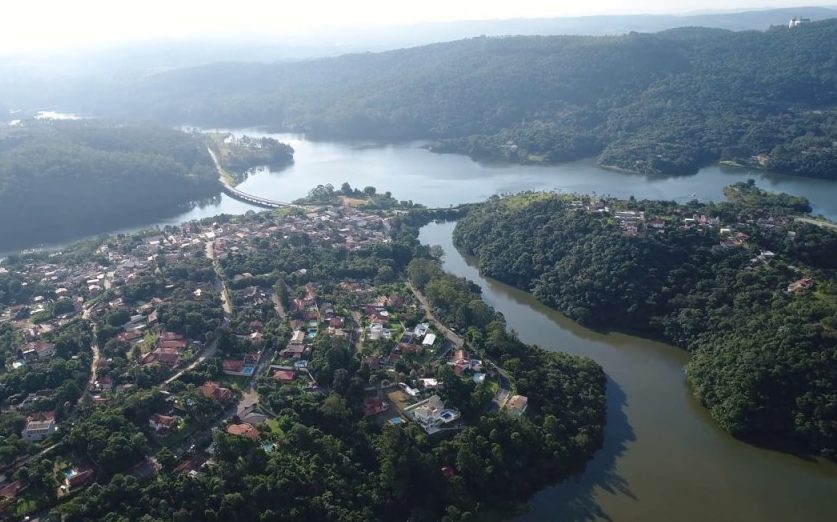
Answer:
(243, 196)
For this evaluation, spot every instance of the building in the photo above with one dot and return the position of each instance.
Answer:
(432, 414)
(284, 376)
(78, 476)
(802, 284)
(796, 22)
(243, 430)
(162, 424)
(517, 405)
(213, 390)
(374, 406)
(39, 426)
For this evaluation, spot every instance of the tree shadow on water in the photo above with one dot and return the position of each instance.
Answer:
(574, 499)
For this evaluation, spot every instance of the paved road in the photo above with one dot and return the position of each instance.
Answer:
(450, 334)
(207, 353)
(504, 392)
(94, 370)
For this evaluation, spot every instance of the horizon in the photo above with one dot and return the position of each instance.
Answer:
(90, 25)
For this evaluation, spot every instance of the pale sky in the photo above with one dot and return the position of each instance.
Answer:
(53, 24)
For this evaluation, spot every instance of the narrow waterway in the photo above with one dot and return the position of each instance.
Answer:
(663, 457)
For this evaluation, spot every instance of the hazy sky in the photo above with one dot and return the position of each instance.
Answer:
(48, 24)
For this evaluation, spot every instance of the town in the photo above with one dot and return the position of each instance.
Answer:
(211, 327)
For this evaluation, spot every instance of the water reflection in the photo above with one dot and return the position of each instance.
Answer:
(663, 457)
(577, 499)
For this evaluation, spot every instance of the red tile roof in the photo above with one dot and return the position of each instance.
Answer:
(284, 375)
(243, 430)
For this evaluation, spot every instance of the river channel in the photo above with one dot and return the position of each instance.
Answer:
(663, 457)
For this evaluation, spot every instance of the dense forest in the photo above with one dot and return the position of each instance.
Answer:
(743, 285)
(64, 178)
(240, 156)
(668, 102)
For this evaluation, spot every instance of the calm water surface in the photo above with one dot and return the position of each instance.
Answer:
(663, 458)
(438, 180)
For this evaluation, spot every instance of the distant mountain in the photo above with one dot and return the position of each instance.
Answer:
(759, 20)
(666, 103)
(157, 56)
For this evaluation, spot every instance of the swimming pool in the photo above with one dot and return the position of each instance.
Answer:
(449, 415)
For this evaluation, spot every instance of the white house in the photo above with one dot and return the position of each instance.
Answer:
(432, 414)
(39, 428)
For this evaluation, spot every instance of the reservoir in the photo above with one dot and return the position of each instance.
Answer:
(412, 173)
(663, 457)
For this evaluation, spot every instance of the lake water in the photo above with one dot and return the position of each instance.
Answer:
(411, 172)
(663, 458)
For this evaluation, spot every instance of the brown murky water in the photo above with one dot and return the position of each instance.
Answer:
(663, 457)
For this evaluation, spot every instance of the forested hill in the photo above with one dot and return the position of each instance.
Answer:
(745, 286)
(63, 179)
(667, 102)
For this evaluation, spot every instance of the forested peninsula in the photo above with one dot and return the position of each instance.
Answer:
(239, 157)
(668, 102)
(60, 179)
(747, 286)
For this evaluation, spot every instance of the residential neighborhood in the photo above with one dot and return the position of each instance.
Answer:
(210, 326)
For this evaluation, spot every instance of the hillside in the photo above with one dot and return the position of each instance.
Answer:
(748, 289)
(64, 179)
(656, 103)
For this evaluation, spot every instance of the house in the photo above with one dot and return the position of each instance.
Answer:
(432, 414)
(802, 284)
(39, 426)
(372, 361)
(284, 376)
(162, 424)
(105, 383)
(294, 350)
(335, 322)
(213, 390)
(78, 476)
(421, 329)
(797, 22)
(243, 430)
(38, 348)
(168, 358)
(233, 366)
(374, 406)
(429, 339)
(517, 405)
